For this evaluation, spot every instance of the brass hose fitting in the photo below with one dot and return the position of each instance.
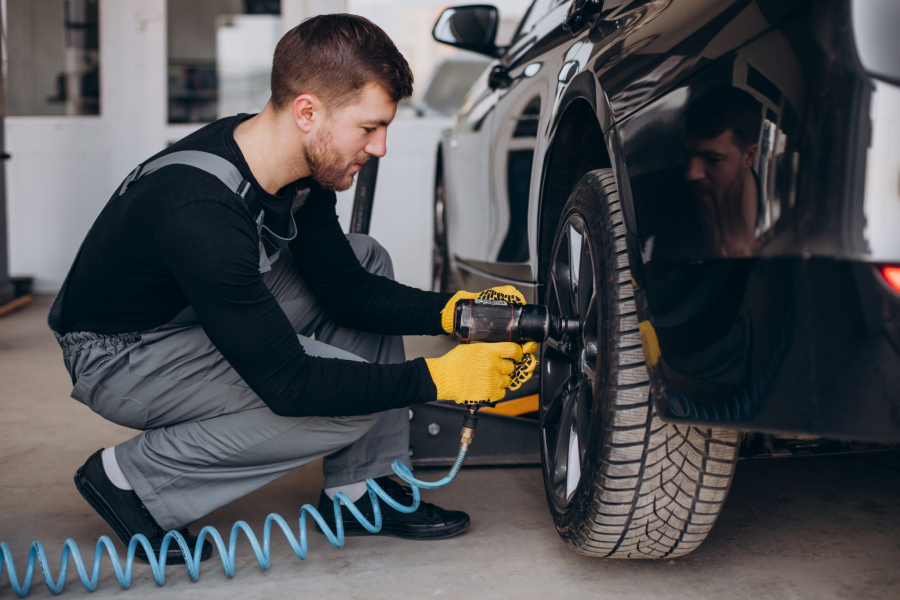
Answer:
(468, 430)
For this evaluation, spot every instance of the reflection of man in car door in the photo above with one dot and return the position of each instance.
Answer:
(698, 319)
(721, 133)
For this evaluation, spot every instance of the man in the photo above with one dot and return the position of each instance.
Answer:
(721, 133)
(189, 308)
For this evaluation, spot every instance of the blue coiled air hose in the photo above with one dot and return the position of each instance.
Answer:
(192, 560)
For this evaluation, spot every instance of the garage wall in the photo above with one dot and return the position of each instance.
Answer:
(63, 169)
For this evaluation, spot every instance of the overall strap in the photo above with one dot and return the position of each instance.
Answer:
(215, 165)
(270, 243)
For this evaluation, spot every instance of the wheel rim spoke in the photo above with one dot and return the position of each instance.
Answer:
(557, 422)
(553, 308)
(556, 375)
(587, 370)
(560, 462)
(573, 459)
(575, 255)
(590, 341)
(561, 277)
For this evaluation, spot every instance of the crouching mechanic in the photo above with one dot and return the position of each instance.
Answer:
(190, 309)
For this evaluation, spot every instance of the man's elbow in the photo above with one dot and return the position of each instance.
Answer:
(283, 409)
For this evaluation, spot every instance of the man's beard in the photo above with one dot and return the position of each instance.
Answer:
(327, 166)
(723, 213)
(721, 198)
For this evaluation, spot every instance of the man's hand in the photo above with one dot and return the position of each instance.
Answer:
(506, 292)
(525, 367)
(472, 373)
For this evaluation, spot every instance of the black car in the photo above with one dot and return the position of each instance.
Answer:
(712, 188)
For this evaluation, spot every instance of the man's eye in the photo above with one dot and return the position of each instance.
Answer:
(369, 129)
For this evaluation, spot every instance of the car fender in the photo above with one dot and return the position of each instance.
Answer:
(565, 159)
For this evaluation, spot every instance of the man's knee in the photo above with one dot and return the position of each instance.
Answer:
(372, 255)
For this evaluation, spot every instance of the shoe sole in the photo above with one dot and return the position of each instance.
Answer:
(355, 529)
(95, 499)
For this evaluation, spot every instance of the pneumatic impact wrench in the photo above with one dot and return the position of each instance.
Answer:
(500, 321)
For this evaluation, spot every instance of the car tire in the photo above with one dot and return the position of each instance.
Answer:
(440, 262)
(620, 482)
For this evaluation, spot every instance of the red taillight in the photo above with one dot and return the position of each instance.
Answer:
(892, 276)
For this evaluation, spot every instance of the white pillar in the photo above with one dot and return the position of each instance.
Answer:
(154, 79)
(295, 11)
(133, 85)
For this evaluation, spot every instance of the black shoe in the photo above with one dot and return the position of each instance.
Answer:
(125, 513)
(429, 522)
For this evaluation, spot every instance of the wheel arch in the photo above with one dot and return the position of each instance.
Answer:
(577, 147)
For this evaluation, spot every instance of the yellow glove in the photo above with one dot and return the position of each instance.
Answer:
(472, 373)
(525, 367)
(506, 292)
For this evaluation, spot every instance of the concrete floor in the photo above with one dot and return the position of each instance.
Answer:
(825, 527)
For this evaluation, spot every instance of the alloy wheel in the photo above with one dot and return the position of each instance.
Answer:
(569, 367)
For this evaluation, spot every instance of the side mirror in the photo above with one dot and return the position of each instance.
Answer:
(470, 28)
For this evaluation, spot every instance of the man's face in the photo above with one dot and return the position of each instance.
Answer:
(716, 168)
(719, 172)
(346, 139)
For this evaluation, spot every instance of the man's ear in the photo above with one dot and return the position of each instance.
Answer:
(750, 155)
(307, 110)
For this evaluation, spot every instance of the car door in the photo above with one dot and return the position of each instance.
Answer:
(466, 176)
(519, 93)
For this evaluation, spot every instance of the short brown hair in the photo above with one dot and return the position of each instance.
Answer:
(333, 57)
(722, 108)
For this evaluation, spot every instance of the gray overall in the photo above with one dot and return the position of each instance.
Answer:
(207, 437)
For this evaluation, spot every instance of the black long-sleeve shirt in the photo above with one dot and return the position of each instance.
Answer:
(179, 237)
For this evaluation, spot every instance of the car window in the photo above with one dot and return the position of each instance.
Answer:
(535, 12)
(450, 84)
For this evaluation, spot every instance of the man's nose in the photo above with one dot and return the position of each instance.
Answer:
(694, 170)
(377, 145)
